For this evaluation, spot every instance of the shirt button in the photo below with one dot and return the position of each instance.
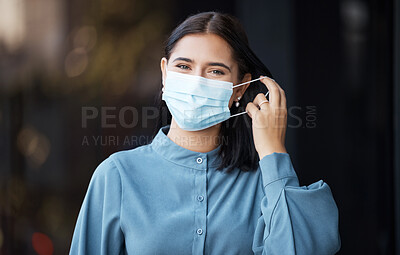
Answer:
(199, 160)
(200, 198)
(199, 231)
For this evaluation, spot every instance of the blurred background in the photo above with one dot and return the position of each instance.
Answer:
(78, 81)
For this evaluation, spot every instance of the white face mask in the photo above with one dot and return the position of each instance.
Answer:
(196, 102)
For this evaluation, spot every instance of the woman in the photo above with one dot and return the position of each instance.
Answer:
(213, 180)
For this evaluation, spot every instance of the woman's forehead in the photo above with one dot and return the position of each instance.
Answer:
(203, 48)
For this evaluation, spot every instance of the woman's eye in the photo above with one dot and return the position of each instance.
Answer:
(217, 72)
(183, 66)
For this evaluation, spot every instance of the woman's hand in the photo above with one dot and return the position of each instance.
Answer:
(270, 121)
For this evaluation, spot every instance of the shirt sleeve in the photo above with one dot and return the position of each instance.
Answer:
(97, 230)
(294, 220)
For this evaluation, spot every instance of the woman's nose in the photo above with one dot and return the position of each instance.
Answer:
(199, 72)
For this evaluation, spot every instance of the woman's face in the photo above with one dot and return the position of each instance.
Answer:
(206, 55)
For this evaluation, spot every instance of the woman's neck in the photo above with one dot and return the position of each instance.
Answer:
(201, 141)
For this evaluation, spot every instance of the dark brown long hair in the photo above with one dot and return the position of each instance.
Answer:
(238, 148)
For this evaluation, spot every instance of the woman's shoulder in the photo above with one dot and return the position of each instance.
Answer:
(118, 167)
(132, 155)
(124, 160)
(118, 162)
(129, 154)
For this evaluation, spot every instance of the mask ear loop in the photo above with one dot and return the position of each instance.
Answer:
(240, 113)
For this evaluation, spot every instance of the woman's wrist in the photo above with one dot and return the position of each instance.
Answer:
(269, 150)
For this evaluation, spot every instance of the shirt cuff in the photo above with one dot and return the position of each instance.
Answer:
(276, 166)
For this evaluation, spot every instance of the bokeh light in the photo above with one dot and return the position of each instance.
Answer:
(85, 37)
(12, 23)
(76, 62)
(33, 145)
(42, 244)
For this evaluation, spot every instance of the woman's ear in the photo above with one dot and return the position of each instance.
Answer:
(163, 65)
(239, 91)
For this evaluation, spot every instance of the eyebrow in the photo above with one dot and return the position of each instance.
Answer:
(219, 64)
(183, 59)
(209, 63)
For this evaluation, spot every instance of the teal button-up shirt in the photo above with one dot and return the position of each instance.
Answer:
(161, 198)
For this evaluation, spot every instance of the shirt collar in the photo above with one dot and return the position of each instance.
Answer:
(171, 151)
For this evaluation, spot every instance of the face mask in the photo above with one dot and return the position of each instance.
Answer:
(196, 102)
